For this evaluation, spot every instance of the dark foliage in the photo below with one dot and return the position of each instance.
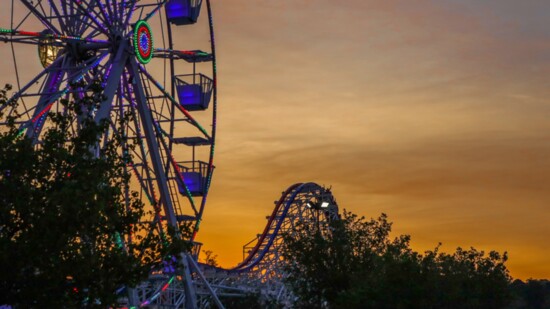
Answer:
(248, 301)
(210, 258)
(533, 294)
(357, 265)
(64, 220)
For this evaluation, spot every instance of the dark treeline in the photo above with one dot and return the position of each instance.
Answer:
(532, 294)
(354, 263)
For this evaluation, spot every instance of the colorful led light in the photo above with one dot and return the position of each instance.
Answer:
(185, 52)
(45, 110)
(143, 42)
(157, 294)
(4, 30)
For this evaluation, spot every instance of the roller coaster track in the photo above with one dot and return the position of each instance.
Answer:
(262, 269)
(291, 207)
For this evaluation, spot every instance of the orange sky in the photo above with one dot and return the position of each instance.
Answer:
(435, 112)
(432, 111)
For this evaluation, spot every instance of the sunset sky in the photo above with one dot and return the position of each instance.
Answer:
(435, 112)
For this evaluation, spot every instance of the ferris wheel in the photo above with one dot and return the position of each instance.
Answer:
(154, 59)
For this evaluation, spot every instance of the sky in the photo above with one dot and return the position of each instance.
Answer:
(434, 112)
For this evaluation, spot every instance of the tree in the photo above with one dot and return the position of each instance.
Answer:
(64, 215)
(210, 258)
(353, 263)
(533, 294)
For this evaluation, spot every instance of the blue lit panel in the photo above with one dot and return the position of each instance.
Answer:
(182, 12)
(193, 180)
(191, 97)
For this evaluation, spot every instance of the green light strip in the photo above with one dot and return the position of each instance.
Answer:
(136, 42)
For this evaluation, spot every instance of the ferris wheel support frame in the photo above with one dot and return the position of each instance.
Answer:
(122, 71)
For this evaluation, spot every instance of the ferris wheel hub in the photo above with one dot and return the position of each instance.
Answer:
(82, 51)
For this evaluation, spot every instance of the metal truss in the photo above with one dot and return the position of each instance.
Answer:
(262, 270)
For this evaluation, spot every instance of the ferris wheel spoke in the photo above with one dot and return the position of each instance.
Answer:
(90, 24)
(77, 21)
(116, 11)
(43, 106)
(40, 16)
(66, 13)
(131, 8)
(24, 89)
(120, 9)
(103, 12)
(71, 9)
(21, 21)
(48, 98)
(110, 11)
(155, 9)
(187, 55)
(54, 40)
(60, 18)
(96, 21)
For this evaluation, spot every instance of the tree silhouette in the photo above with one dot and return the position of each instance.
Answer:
(355, 264)
(65, 216)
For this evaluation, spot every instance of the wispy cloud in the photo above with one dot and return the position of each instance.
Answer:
(432, 111)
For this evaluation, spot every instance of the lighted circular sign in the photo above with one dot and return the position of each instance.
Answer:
(143, 42)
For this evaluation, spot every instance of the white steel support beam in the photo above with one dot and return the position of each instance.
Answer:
(162, 181)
